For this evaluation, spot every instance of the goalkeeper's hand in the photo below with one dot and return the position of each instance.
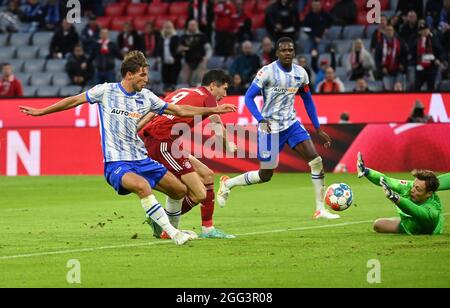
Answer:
(362, 170)
(390, 194)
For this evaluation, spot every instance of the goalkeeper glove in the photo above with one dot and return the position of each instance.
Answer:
(392, 195)
(362, 170)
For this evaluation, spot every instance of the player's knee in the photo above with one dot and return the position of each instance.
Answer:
(265, 175)
(180, 192)
(142, 189)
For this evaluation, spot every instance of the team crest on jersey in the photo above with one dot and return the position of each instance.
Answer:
(187, 164)
(140, 102)
(403, 182)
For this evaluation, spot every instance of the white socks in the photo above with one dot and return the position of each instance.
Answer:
(318, 179)
(245, 179)
(155, 211)
(173, 210)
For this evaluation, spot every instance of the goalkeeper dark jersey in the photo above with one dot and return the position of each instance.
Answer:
(425, 218)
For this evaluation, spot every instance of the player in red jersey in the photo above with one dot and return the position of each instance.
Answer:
(160, 133)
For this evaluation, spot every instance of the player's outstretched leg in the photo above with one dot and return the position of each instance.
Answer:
(226, 184)
(318, 180)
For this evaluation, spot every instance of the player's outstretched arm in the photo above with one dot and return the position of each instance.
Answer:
(145, 119)
(191, 111)
(306, 96)
(64, 104)
(375, 177)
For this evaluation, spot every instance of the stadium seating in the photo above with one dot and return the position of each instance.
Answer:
(136, 9)
(29, 90)
(7, 53)
(47, 91)
(34, 66)
(158, 9)
(41, 79)
(3, 39)
(69, 90)
(42, 39)
(61, 79)
(55, 65)
(23, 77)
(30, 52)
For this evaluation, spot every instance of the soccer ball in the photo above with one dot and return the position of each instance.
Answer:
(338, 196)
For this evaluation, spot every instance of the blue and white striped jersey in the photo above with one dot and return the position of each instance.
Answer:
(279, 88)
(119, 114)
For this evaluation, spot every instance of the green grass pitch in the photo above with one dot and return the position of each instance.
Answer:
(47, 221)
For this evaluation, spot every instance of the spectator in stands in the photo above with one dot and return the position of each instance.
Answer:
(10, 86)
(243, 23)
(303, 62)
(391, 58)
(267, 52)
(196, 51)
(359, 63)
(377, 35)
(443, 20)
(418, 114)
(315, 24)
(34, 15)
(428, 57)
(408, 32)
(282, 20)
(324, 64)
(150, 39)
(129, 39)
(79, 67)
(167, 54)
(361, 86)
(90, 35)
(63, 41)
(331, 84)
(10, 18)
(225, 12)
(247, 64)
(433, 11)
(404, 6)
(398, 87)
(236, 87)
(95, 7)
(203, 12)
(52, 17)
(344, 12)
(104, 55)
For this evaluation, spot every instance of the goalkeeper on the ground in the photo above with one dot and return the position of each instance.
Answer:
(417, 204)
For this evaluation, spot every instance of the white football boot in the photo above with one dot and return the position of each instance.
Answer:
(181, 237)
(223, 192)
(325, 214)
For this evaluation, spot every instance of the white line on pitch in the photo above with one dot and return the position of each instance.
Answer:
(51, 253)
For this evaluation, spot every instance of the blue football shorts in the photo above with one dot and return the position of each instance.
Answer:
(149, 169)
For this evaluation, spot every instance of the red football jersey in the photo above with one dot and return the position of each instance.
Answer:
(161, 126)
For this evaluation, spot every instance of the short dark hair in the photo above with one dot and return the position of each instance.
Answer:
(284, 39)
(133, 61)
(218, 76)
(431, 180)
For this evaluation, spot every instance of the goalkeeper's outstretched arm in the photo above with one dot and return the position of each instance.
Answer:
(375, 176)
(444, 181)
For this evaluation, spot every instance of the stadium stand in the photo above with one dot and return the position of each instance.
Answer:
(30, 64)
